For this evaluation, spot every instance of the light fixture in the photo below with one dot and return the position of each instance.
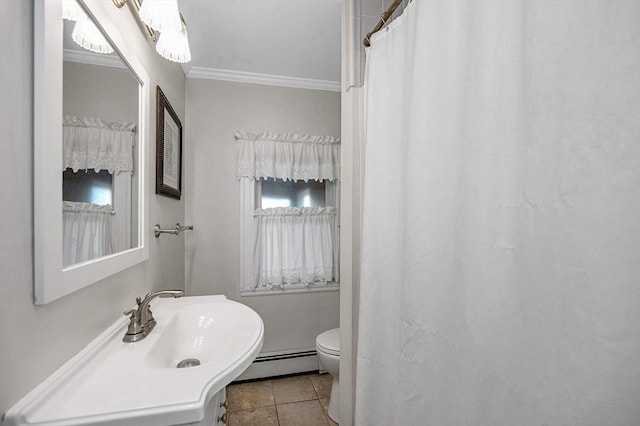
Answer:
(174, 45)
(71, 11)
(85, 33)
(163, 16)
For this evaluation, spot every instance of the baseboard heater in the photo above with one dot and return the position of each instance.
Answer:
(281, 363)
(266, 358)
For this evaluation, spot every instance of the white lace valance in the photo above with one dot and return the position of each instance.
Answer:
(90, 143)
(296, 211)
(80, 207)
(288, 156)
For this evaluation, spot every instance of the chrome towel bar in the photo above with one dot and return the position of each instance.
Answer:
(175, 231)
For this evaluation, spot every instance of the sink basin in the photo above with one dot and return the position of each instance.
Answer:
(115, 383)
(208, 332)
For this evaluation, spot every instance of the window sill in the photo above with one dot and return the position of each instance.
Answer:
(299, 290)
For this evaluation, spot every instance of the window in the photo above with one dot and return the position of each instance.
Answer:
(289, 204)
(287, 193)
(87, 186)
(281, 247)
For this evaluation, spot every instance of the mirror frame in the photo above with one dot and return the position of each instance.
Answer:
(51, 280)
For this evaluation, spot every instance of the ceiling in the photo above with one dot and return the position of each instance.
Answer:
(281, 39)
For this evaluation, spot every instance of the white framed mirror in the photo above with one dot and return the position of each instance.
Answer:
(91, 123)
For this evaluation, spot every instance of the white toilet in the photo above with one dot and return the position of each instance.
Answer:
(328, 349)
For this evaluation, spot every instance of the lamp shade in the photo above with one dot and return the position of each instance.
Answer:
(161, 15)
(72, 11)
(174, 45)
(87, 35)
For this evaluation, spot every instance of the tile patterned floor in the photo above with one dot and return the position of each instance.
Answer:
(290, 401)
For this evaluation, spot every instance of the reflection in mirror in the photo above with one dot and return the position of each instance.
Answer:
(91, 123)
(100, 108)
(292, 193)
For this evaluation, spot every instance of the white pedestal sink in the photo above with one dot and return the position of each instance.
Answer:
(115, 383)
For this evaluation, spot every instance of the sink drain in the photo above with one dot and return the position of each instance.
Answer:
(189, 362)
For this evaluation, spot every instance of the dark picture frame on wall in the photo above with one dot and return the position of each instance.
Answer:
(168, 149)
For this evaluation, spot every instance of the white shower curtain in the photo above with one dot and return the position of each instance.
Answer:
(501, 234)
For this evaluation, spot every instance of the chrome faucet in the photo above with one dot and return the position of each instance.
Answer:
(141, 320)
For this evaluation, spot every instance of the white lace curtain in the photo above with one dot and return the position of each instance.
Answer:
(87, 231)
(293, 246)
(90, 143)
(288, 156)
(91, 230)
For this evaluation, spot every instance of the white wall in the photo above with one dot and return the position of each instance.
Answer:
(108, 93)
(36, 340)
(215, 111)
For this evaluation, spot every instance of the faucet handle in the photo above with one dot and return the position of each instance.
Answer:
(135, 331)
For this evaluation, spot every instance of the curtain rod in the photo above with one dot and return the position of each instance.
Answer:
(381, 23)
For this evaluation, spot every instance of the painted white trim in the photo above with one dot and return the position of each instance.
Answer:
(265, 79)
(86, 57)
(270, 292)
(47, 150)
(51, 281)
(281, 367)
(186, 66)
(247, 227)
(352, 133)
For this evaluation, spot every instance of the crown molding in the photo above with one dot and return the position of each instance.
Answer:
(186, 66)
(265, 79)
(87, 57)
